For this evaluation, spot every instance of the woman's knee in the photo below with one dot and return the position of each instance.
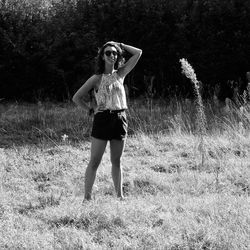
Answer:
(94, 162)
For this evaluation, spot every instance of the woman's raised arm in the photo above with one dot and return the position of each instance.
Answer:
(130, 64)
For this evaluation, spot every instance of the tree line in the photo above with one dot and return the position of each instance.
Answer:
(48, 47)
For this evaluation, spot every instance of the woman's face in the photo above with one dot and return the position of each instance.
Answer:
(110, 55)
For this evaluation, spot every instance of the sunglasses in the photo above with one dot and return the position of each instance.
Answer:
(109, 52)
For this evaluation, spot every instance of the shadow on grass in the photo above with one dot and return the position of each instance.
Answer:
(33, 132)
(34, 141)
(29, 138)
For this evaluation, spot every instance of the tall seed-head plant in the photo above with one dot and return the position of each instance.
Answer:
(188, 71)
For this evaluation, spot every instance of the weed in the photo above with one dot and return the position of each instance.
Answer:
(201, 118)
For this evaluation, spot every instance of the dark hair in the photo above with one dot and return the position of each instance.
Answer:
(100, 64)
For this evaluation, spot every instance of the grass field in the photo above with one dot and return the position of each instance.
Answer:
(173, 201)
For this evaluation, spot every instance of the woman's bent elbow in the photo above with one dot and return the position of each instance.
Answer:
(75, 100)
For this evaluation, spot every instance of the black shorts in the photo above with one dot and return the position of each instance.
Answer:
(110, 125)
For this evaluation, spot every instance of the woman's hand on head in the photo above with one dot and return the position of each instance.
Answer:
(116, 43)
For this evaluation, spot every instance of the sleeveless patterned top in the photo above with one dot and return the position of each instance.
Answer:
(111, 93)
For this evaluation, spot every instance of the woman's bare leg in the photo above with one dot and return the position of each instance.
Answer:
(97, 149)
(116, 150)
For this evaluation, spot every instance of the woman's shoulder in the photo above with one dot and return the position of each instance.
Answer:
(96, 78)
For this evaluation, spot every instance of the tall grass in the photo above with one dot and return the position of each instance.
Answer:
(34, 123)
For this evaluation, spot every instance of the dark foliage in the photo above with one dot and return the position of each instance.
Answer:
(47, 48)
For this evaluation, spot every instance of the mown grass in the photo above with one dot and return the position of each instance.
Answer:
(173, 202)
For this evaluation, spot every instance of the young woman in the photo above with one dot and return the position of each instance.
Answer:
(110, 122)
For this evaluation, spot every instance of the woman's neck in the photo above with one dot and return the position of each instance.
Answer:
(109, 70)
